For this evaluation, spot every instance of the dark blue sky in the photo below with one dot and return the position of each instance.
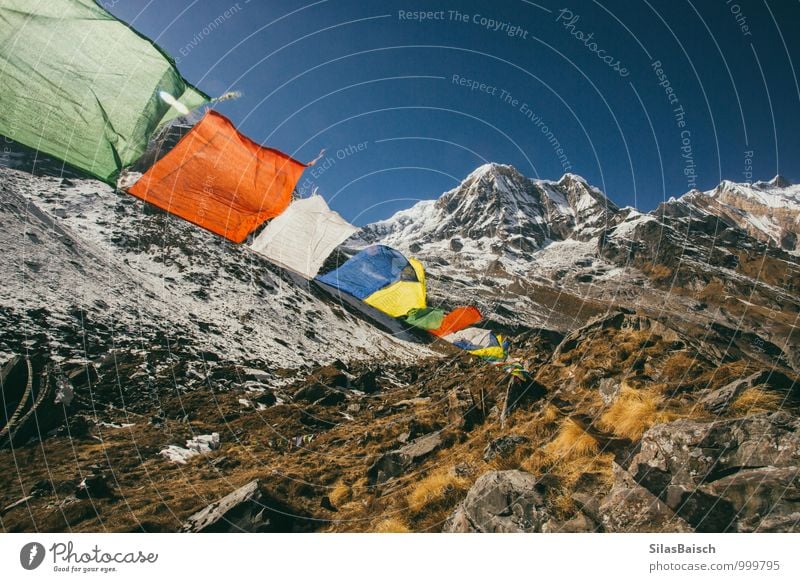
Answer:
(338, 73)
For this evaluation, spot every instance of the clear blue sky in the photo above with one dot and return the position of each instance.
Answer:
(334, 74)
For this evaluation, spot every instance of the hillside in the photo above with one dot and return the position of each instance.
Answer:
(663, 346)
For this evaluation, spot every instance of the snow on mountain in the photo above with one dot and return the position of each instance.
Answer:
(496, 213)
(768, 211)
(546, 253)
(84, 259)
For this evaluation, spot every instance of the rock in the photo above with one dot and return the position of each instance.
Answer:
(503, 446)
(681, 462)
(694, 452)
(581, 523)
(766, 492)
(204, 443)
(368, 381)
(94, 486)
(397, 462)
(317, 393)
(255, 375)
(199, 445)
(267, 398)
(501, 502)
(80, 374)
(630, 508)
(608, 389)
(248, 509)
(718, 401)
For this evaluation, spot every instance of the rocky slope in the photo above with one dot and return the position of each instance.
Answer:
(88, 261)
(663, 348)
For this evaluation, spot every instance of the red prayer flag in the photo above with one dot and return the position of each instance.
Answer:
(457, 320)
(221, 180)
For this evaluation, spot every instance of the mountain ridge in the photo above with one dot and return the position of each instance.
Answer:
(555, 202)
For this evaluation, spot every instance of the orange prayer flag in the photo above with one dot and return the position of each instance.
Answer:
(221, 180)
(458, 319)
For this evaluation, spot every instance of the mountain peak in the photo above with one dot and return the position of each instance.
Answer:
(496, 212)
(488, 168)
(777, 182)
(569, 178)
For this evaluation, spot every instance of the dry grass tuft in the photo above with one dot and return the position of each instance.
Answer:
(571, 442)
(439, 489)
(391, 525)
(634, 412)
(755, 400)
(571, 470)
(538, 463)
(660, 273)
(681, 367)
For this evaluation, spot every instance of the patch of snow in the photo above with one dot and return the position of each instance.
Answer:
(634, 220)
(199, 445)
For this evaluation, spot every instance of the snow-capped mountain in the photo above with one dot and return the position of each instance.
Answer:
(768, 211)
(496, 213)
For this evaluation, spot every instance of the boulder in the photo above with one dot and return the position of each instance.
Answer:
(395, 463)
(702, 470)
(321, 394)
(630, 508)
(768, 492)
(248, 510)
(501, 502)
(693, 452)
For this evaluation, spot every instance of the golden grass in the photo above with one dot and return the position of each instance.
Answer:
(391, 525)
(537, 463)
(634, 412)
(681, 367)
(659, 272)
(340, 494)
(442, 488)
(755, 400)
(571, 442)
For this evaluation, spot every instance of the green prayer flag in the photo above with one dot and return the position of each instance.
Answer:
(428, 318)
(80, 85)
